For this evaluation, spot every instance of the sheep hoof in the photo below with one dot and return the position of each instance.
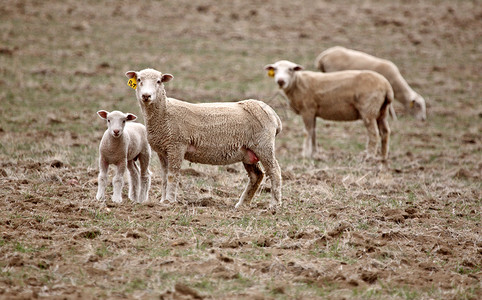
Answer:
(117, 200)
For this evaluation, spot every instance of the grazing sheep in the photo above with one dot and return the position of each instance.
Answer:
(122, 144)
(340, 58)
(208, 133)
(340, 96)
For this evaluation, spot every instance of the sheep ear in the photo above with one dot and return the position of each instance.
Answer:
(131, 74)
(167, 77)
(102, 114)
(298, 68)
(268, 67)
(131, 117)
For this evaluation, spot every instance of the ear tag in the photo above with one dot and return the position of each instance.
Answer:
(412, 104)
(271, 73)
(132, 83)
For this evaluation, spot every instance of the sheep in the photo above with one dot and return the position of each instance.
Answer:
(339, 96)
(340, 58)
(208, 133)
(121, 145)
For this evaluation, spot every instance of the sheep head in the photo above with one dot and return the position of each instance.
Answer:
(417, 107)
(283, 72)
(116, 121)
(150, 87)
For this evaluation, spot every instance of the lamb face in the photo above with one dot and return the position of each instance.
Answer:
(283, 72)
(149, 84)
(116, 121)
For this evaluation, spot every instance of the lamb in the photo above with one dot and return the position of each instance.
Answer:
(339, 96)
(121, 145)
(340, 58)
(208, 133)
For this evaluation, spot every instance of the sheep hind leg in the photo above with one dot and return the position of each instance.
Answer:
(372, 129)
(384, 130)
(133, 180)
(273, 171)
(255, 175)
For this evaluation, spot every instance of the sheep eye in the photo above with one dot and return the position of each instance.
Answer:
(108, 121)
(123, 122)
(158, 81)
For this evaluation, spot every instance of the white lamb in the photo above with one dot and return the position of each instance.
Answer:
(338, 96)
(123, 143)
(208, 133)
(340, 58)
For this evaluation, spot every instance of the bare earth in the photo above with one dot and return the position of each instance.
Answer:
(348, 229)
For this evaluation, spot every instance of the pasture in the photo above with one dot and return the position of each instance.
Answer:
(347, 230)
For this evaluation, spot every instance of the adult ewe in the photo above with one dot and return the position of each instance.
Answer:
(209, 133)
(123, 143)
(340, 58)
(339, 96)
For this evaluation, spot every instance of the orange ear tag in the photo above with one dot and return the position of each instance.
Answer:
(271, 73)
(132, 83)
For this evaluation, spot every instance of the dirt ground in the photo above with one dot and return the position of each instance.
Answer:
(348, 229)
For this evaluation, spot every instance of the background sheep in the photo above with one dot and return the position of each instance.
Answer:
(209, 133)
(339, 96)
(122, 144)
(340, 58)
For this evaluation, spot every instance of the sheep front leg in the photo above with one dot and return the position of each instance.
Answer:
(372, 128)
(164, 166)
(173, 174)
(118, 182)
(133, 180)
(255, 177)
(102, 179)
(145, 178)
(309, 145)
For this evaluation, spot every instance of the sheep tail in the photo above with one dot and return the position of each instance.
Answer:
(274, 117)
(388, 103)
(319, 62)
(389, 99)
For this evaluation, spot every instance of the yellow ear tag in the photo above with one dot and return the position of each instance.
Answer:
(132, 83)
(412, 104)
(271, 73)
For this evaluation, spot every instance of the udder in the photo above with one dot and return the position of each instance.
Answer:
(250, 157)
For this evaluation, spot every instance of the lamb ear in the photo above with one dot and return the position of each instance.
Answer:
(166, 77)
(131, 74)
(298, 68)
(102, 114)
(131, 117)
(268, 67)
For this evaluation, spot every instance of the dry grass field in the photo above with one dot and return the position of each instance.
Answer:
(348, 229)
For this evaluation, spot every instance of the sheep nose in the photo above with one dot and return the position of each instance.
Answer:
(281, 82)
(146, 97)
(116, 131)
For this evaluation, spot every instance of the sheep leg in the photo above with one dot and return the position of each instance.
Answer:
(384, 130)
(133, 180)
(145, 177)
(309, 144)
(164, 165)
(102, 180)
(273, 171)
(372, 128)
(173, 174)
(118, 182)
(255, 177)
